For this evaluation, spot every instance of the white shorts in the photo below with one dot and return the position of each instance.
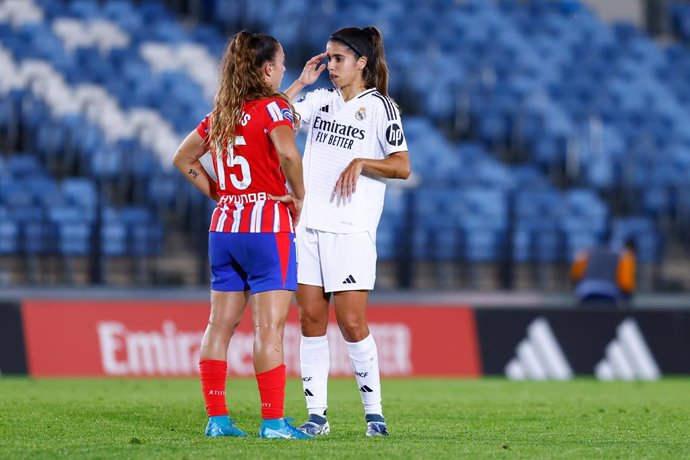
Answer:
(336, 261)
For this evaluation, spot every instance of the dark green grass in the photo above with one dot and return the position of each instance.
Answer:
(444, 419)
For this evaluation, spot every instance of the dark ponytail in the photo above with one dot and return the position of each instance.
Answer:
(376, 71)
(367, 42)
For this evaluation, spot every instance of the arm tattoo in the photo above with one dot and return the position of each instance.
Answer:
(193, 173)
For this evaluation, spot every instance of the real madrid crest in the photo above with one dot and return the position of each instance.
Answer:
(361, 114)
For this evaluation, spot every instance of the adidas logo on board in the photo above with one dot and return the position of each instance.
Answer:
(539, 356)
(627, 356)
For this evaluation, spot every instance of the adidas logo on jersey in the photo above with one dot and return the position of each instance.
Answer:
(324, 108)
(349, 280)
(539, 356)
(627, 356)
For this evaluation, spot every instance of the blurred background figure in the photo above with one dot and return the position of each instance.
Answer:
(605, 276)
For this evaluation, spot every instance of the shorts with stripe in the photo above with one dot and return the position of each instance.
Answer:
(336, 261)
(255, 262)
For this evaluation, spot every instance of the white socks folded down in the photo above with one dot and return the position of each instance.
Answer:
(315, 364)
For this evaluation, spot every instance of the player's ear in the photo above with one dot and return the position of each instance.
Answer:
(361, 62)
(267, 69)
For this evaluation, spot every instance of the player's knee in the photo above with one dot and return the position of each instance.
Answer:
(267, 341)
(219, 333)
(313, 329)
(269, 332)
(313, 325)
(220, 327)
(354, 330)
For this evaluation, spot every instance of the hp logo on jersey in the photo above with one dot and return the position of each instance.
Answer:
(394, 134)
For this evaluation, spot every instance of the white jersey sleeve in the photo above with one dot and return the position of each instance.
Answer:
(308, 104)
(390, 131)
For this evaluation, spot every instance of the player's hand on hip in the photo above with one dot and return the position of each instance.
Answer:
(312, 69)
(346, 184)
(294, 206)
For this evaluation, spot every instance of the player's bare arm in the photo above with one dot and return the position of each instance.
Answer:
(310, 73)
(396, 166)
(291, 163)
(186, 159)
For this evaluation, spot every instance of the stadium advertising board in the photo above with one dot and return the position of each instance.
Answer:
(558, 344)
(157, 338)
(12, 357)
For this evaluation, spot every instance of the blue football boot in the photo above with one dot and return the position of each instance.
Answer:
(280, 428)
(222, 425)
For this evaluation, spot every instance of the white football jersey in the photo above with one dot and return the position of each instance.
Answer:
(367, 126)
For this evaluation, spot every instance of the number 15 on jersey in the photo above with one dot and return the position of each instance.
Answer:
(232, 161)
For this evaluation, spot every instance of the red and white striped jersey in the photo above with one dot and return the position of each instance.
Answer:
(249, 172)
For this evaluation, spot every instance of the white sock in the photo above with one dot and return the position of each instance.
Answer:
(315, 362)
(365, 363)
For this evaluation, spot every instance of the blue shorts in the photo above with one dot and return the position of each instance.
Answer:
(255, 262)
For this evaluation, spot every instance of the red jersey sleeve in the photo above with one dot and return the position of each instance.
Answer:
(278, 113)
(204, 127)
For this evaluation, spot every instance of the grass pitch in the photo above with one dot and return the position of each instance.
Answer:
(488, 418)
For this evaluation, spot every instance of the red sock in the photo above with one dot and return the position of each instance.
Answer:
(213, 374)
(272, 392)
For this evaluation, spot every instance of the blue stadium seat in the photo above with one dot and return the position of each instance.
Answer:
(387, 242)
(74, 238)
(146, 240)
(80, 192)
(548, 245)
(44, 190)
(482, 245)
(20, 166)
(145, 234)
(84, 9)
(69, 214)
(73, 227)
(421, 243)
(446, 244)
(118, 9)
(163, 191)
(38, 238)
(13, 194)
(642, 230)
(114, 239)
(9, 237)
(538, 240)
(106, 163)
(546, 85)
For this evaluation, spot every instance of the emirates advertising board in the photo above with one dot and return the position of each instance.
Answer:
(162, 338)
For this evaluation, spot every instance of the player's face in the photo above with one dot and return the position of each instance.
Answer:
(278, 64)
(342, 65)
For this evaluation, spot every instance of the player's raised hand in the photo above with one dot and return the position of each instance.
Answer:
(346, 184)
(294, 206)
(312, 69)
